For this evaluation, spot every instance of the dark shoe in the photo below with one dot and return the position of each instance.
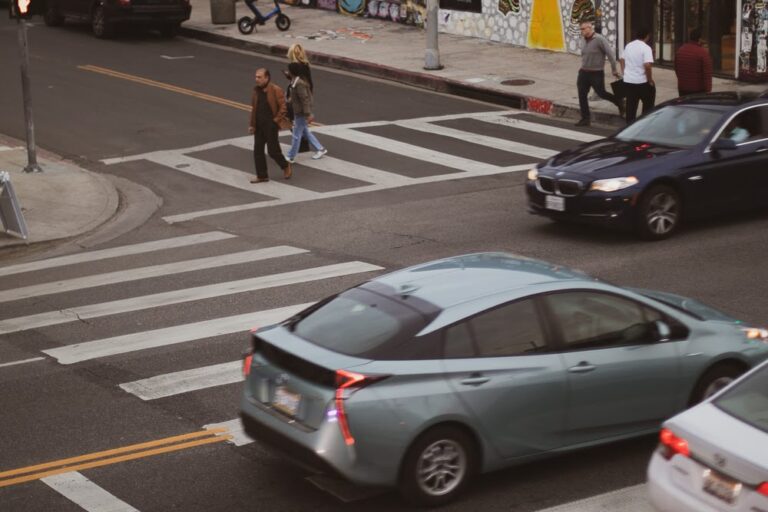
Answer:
(622, 107)
(288, 171)
(259, 180)
(583, 122)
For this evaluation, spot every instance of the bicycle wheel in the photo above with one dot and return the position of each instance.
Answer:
(245, 25)
(283, 22)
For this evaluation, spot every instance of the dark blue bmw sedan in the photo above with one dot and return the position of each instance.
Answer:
(691, 157)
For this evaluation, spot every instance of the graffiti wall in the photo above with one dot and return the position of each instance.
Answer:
(753, 60)
(543, 24)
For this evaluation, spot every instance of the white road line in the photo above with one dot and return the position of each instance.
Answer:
(135, 274)
(23, 361)
(231, 177)
(192, 149)
(481, 140)
(628, 499)
(176, 383)
(183, 217)
(409, 150)
(542, 129)
(81, 491)
(234, 429)
(170, 335)
(116, 252)
(185, 295)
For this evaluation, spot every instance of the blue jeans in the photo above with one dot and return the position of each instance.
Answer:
(301, 129)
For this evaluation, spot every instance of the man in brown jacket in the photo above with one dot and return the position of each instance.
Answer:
(693, 66)
(268, 115)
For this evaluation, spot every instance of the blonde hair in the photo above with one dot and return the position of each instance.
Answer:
(296, 53)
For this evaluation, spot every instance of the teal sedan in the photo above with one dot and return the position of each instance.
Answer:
(424, 377)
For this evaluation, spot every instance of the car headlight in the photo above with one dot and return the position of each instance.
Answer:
(755, 333)
(613, 184)
(533, 174)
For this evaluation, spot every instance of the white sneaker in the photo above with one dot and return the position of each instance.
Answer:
(290, 160)
(319, 154)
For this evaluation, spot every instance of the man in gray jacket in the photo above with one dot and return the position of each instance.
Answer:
(595, 48)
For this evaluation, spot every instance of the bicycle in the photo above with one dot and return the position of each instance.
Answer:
(246, 24)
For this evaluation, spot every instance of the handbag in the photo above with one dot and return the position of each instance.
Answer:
(619, 89)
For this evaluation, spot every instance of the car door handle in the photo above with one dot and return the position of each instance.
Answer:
(582, 367)
(476, 379)
(696, 178)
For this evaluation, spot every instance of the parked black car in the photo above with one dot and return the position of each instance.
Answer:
(105, 15)
(691, 157)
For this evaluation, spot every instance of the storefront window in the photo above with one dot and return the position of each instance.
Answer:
(717, 21)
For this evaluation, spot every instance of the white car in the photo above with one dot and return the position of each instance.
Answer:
(714, 456)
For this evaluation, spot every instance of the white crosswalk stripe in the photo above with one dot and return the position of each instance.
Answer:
(83, 492)
(374, 179)
(175, 383)
(135, 274)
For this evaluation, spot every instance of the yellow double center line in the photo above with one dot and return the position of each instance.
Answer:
(104, 458)
(167, 87)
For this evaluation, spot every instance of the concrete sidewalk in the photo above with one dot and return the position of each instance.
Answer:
(62, 202)
(473, 67)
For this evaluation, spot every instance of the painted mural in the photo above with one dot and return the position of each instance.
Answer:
(544, 24)
(753, 60)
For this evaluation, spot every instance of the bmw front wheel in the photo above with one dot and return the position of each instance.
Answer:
(437, 466)
(659, 212)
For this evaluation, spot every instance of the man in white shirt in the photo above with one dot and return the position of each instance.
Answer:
(637, 68)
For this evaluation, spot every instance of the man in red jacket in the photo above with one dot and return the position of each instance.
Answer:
(693, 66)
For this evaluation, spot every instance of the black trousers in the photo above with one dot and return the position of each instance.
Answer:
(594, 80)
(637, 93)
(267, 136)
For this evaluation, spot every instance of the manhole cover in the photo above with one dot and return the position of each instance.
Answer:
(518, 82)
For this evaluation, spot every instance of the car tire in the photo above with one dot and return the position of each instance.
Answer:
(715, 379)
(170, 30)
(51, 16)
(102, 29)
(659, 212)
(438, 466)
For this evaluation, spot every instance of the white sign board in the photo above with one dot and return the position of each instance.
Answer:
(11, 217)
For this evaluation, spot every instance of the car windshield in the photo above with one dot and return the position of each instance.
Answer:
(360, 323)
(748, 400)
(677, 126)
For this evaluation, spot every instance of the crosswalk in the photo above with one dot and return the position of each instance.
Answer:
(367, 177)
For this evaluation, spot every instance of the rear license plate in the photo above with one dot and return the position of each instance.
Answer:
(286, 401)
(554, 203)
(721, 487)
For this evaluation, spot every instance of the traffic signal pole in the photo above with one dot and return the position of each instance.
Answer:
(32, 165)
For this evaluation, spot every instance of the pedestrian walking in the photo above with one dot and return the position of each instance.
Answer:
(594, 50)
(693, 66)
(637, 68)
(297, 54)
(268, 115)
(301, 101)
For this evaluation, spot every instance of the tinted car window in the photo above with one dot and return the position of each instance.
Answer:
(748, 400)
(678, 126)
(595, 320)
(747, 126)
(458, 342)
(509, 330)
(364, 324)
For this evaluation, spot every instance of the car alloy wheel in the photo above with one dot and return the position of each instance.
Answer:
(660, 212)
(714, 380)
(438, 466)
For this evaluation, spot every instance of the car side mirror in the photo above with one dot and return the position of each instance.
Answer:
(663, 331)
(723, 144)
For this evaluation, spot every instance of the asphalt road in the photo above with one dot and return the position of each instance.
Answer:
(97, 100)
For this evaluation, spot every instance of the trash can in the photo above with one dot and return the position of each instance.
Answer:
(222, 11)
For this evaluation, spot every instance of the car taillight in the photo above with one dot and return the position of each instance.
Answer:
(124, 3)
(346, 383)
(247, 361)
(763, 488)
(672, 444)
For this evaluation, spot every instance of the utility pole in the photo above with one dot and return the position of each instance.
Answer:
(432, 54)
(20, 9)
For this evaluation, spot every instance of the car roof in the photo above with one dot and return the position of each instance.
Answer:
(723, 99)
(459, 279)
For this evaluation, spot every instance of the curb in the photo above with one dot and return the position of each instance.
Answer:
(416, 79)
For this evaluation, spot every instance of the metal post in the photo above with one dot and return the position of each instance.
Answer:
(432, 54)
(32, 165)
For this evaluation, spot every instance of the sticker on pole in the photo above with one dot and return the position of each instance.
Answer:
(11, 217)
